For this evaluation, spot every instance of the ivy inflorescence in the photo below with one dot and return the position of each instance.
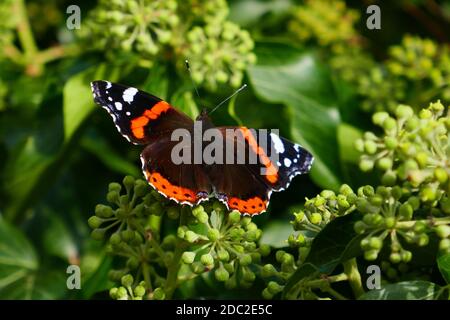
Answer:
(208, 238)
(159, 30)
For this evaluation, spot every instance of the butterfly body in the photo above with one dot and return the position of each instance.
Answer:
(243, 178)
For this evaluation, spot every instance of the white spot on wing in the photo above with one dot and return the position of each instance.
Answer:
(109, 98)
(108, 85)
(118, 106)
(297, 147)
(278, 164)
(128, 113)
(278, 144)
(287, 162)
(295, 160)
(128, 94)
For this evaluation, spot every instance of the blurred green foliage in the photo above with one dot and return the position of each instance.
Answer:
(358, 99)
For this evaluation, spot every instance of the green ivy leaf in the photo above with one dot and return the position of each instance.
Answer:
(98, 281)
(184, 101)
(274, 234)
(77, 95)
(100, 148)
(444, 266)
(58, 239)
(285, 74)
(249, 12)
(336, 243)
(347, 135)
(407, 290)
(19, 274)
(18, 258)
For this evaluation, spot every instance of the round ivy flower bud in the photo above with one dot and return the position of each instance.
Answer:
(375, 243)
(406, 211)
(188, 257)
(95, 222)
(103, 211)
(245, 259)
(404, 111)
(190, 236)
(378, 118)
(113, 196)
(406, 255)
(127, 280)
(268, 271)
(390, 222)
(127, 235)
(366, 164)
(389, 178)
(223, 255)
(128, 182)
(267, 294)
(121, 293)
(444, 245)
(197, 267)
(159, 294)
(422, 240)
(98, 234)
(443, 231)
(234, 217)
(114, 186)
(370, 147)
(274, 287)
(279, 255)
(213, 234)
(115, 239)
(139, 291)
(359, 227)
(371, 255)
(264, 249)
(207, 260)
(221, 274)
(316, 218)
(113, 293)
(441, 175)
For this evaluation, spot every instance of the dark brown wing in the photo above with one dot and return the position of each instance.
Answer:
(137, 115)
(185, 183)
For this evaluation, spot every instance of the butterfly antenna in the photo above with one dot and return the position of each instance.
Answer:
(231, 96)
(190, 75)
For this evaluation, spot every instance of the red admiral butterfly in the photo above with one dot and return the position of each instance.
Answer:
(147, 120)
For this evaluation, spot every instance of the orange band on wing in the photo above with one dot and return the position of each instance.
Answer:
(138, 124)
(170, 190)
(271, 172)
(252, 206)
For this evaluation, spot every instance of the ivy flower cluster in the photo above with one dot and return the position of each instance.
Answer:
(222, 52)
(208, 239)
(219, 50)
(413, 149)
(415, 72)
(328, 22)
(7, 24)
(140, 25)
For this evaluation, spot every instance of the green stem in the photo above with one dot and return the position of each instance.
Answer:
(146, 275)
(172, 270)
(335, 294)
(25, 34)
(354, 277)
